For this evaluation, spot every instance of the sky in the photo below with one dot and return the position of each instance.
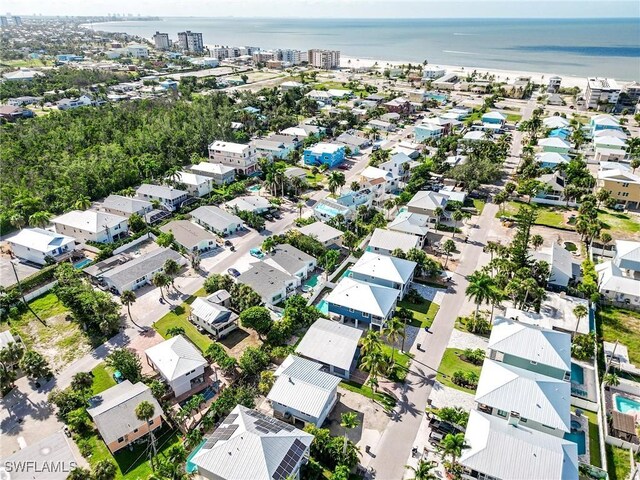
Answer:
(332, 8)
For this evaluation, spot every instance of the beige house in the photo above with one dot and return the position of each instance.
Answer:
(624, 186)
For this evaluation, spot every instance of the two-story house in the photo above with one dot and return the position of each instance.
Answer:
(329, 154)
(91, 225)
(168, 197)
(217, 220)
(291, 260)
(623, 185)
(220, 174)
(271, 283)
(384, 270)
(37, 245)
(426, 203)
(126, 206)
(241, 157)
(195, 184)
(385, 242)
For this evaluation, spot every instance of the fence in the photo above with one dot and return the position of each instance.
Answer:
(135, 242)
(40, 291)
(558, 203)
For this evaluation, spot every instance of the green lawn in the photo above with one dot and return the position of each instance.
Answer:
(381, 397)
(179, 317)
(46, 306)
(618, 223)
(618, 462)
(594, 439)
(479, 204)
(547, 215)
(451, 363)
(402, 361)
(102, 378)
(623, 325)
(423, 313)
(513, 117)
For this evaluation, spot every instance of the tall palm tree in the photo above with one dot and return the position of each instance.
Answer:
(335, 180)
(128, 298)
(438, 212)
(448, 247)
(393, 330)
(371, 342)
(480, 288)
(171, 268)
(82, 203)
(389, 203)
(348, 421)
(452, 446)
(145, 411)
(611, 380)
(300, 206)
(39, 219)
(580, 311)
(457, 217)
(424, 470)
(268, 244)
(161, 280)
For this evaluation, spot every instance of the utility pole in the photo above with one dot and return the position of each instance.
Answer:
(613, 352)
(15, 273)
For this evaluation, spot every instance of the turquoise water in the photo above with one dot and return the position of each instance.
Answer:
(580, 439)
(627, 405)
(254, 188)
(82, 263)
(438, 97)
(582, 47)
(326, 209)
(345, 274)
(208, 393)
(577, 373)
(323, 307)
(312, 281)
(191, 467)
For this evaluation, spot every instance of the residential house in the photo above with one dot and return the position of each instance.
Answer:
(36, 245)
(217, 220)
(168, 197)
(296, 172)
(196, 184)
(22, 75)
(285, 86)
(304, 130)
(326, 209)
(329, 154)
(378, 181)
(133, 273)
(432, 73)
(320, 96)
(407, 149)
(193, 238)
(474, 136)
(619, 279)
(391, 117)
(555, 144)
(412, 224)
(555, 121)
(399, 105)
(386, 241)
(601, 93)
(500, 450)
(530, 347)
(362, 302)
(271, 283)
(53, 455)
(220, 174)
(553, 86)
(604, 122)
(114, 413)
(126, 206)
(452, 194)
(179, 363)
(91, 225)
(213, 316)
(427, 130)
(551, 159)
(273, 149)
(11, 113)
(385, 270)
(426, 202)
(332, 344)
(353, 141)
(71, 103)
(23, 101)
(241, 157)
(399, 165)
(328, 236)
(565, 269)
(553, 192)
(381, 125)
(248, 203)
(613, 142)
(251, 445)
(623, 186)
(302, 393)
(494, 118)
(291, 260)
(524, 397)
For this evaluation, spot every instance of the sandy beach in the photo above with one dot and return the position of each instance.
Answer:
(501, 75)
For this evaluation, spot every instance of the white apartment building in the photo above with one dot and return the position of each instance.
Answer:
(601, 91)
(161, 41)
(294, 57)
(324, 59)
(138, 51)
(242, 157)
(190, 41)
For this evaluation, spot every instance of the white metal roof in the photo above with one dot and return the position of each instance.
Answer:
(612, 279)
(547, 347)
(428, 200)
(215, 217)
(211, 312)
(390, 240)
(249, 452)
(605, 120)
(230, 147)
(516, 452)
(555, 122)
(321, 232)
(494, 115)
(385, 267)
(375, 172)
(175, 357)
(551, 157)
(320, 148)
(534, 396)
(214, 168)
(249, 203)
(474, 135)
(302, 386)
(331, 343)
(609, 140)
(554, 142)
(189, 178)
(618, 175)
(89, 220)
(364, 297)
(410, 222)
(627, 250)
(40, 239)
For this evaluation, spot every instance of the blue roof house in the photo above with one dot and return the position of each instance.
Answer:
(324, 153)
(424, 131)
(495, 118)
(362, 302)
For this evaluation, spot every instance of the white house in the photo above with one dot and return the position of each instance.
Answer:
(36, 245)
(125, 206)
(169, 197)
(302, 392)
(555, 122)
(91, 225)
(71, 103)
(291, 260)
(192, 237)
(251, 445)
(386, 241)
(328, 236)
(620, 277)
(138, 51)
(179, 363)
(270, 282)
(411, 223)
(197, 185)
(217, 220)
(241, 157)
(220, 174)
(214, 317)
(426, 203)
(249, 203)
(384, 270)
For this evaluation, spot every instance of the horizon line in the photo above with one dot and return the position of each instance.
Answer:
(133, 16)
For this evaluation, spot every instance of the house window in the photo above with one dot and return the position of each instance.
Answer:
(625, 185)
(523, 420)
(365, 315)
(351, 310)
(502, 413)
(135, 430)
(121, 439)
(532, 362)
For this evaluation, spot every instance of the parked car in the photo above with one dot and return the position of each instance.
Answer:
(227, 243)
(269, 217)
(343, 167)
(233, 272)
(256, 252)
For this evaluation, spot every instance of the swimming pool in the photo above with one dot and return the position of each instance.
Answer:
(82, 263)
(345, 274)
(327, 210)
(323, 307)
(627, 405)
(577, 374)
(191, 467)
(254, 188)
(578, 438)
(208, 393)
(313, 280)
(438, 97)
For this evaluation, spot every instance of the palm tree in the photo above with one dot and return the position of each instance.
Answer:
(611, 380)
(457, 217)
(438, 212)
(480, 288)
(268, 244)
(299, 206)
(335, 180)
(537, 241)
(161, 280)
(171, 268)
(348, 420)
(128, 298)
(389, 203)
(17, 221)
(393, 330)
(580, 311)
(82, 203)
(145, 411)
(424, 470)
(448, 247)
(39, 219)
(371, 342)
(452, 445)
(355, 186)
(11, 354)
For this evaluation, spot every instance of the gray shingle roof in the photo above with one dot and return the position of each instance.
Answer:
(125, 204)
(290, 258)
(126, 273)
(265, 279)
(331, 343)
(215, 217)
(186, 233)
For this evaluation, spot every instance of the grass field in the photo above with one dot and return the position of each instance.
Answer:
(594, 439)
(513, 117)
(618, 223)
(451, 363)
(547, 216)
(479, 204)
(381, 397)
(179, 317)
(102, 378)
(623, 325)
(423, 313)
(619, 463)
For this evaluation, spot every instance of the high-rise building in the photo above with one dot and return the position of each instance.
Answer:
(324, 59)
(162, 41)
(17, 21)
(601, 93)
(292, 57)
(190, 41)
(4, 21)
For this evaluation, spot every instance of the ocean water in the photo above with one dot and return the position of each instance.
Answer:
(579, 47)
